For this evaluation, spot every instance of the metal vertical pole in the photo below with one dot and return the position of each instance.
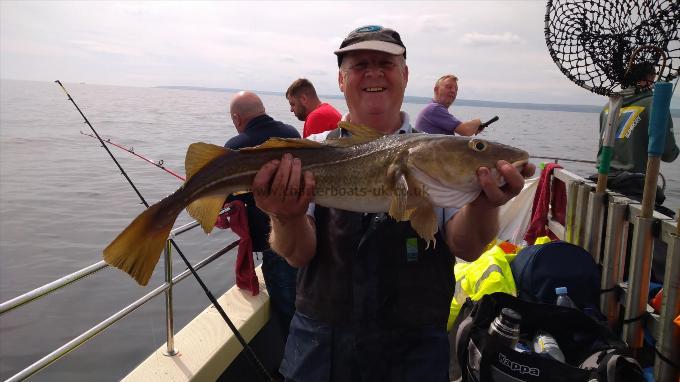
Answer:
(594, 224)
(580, 214)
(569, 221)
(613, 259)
(668, 343)
(170, 330)
(639, 274)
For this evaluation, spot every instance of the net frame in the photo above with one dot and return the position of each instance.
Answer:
(596, 42)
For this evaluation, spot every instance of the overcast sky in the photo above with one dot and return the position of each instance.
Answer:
(496, 48)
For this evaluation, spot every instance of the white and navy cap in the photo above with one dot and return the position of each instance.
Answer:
(372, 37)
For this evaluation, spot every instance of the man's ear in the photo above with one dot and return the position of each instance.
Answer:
(406, 74)
(303, 100)
(236, 119)
(341, 81)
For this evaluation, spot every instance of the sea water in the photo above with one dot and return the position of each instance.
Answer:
(62, 200)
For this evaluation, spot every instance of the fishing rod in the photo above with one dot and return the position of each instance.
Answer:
(249, 351)
(158, 164)
(131, 150)
(564, 159)
(663, 178)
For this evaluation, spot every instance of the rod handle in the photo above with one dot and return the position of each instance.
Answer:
(659, 117)
(483, 125)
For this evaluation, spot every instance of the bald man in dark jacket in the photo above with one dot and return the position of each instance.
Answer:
(255, 127)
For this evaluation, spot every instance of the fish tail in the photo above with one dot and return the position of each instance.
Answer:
(137, 249)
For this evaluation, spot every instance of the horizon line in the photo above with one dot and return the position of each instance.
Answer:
(583, 108)
(675, 112)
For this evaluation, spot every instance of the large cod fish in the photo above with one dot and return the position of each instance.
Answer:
(405, 175)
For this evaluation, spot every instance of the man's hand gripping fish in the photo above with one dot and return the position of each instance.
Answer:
(405, 175)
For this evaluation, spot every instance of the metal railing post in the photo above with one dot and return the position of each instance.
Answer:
(570, 219)
(170, 329)
(594, 224)
(668, 341)
(639, 274)
(580, 214)
(613, 259)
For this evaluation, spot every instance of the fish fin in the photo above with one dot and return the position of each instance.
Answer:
(206, 209)
(424, 220)
(399, 189)
(199, 154)
(360, 131)
(398, 186)
(291, 143)
(359, 134)
(137, 249)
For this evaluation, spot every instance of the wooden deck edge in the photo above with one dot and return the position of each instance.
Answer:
(206, 345)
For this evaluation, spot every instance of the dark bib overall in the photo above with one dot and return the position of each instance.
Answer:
(373, 276)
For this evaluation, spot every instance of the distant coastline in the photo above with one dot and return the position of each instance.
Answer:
(459, 102)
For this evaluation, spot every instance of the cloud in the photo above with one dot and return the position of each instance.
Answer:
(319, 72)
(169, 42)
(476, 39)
(106, 47)
(289, 59)
(433, 24)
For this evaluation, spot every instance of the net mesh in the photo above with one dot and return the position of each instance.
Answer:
(592, 42)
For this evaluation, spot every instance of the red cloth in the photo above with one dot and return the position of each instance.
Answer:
(541, 206)
(558, 201)
(237, 219)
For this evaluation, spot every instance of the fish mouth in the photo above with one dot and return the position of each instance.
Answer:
(519, 165)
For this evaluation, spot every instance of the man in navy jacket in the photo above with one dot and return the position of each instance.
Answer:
(255, 127)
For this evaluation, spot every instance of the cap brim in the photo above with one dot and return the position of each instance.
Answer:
(380, 46)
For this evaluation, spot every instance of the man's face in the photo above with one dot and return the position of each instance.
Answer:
(445, 93)
(647, 82)
(298, 108)
(373, 83)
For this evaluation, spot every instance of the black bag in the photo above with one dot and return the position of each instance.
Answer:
(539, 269)
(592, 352)
(630, 184)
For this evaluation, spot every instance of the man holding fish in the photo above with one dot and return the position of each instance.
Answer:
(373, 290)
(374, 250)
(375, 281)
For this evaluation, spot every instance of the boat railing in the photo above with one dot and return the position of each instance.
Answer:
(611, 228)
(74, 277)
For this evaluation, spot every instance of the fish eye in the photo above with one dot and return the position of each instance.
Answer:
(477, 144)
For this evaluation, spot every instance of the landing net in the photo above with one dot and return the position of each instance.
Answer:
(595, 42)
